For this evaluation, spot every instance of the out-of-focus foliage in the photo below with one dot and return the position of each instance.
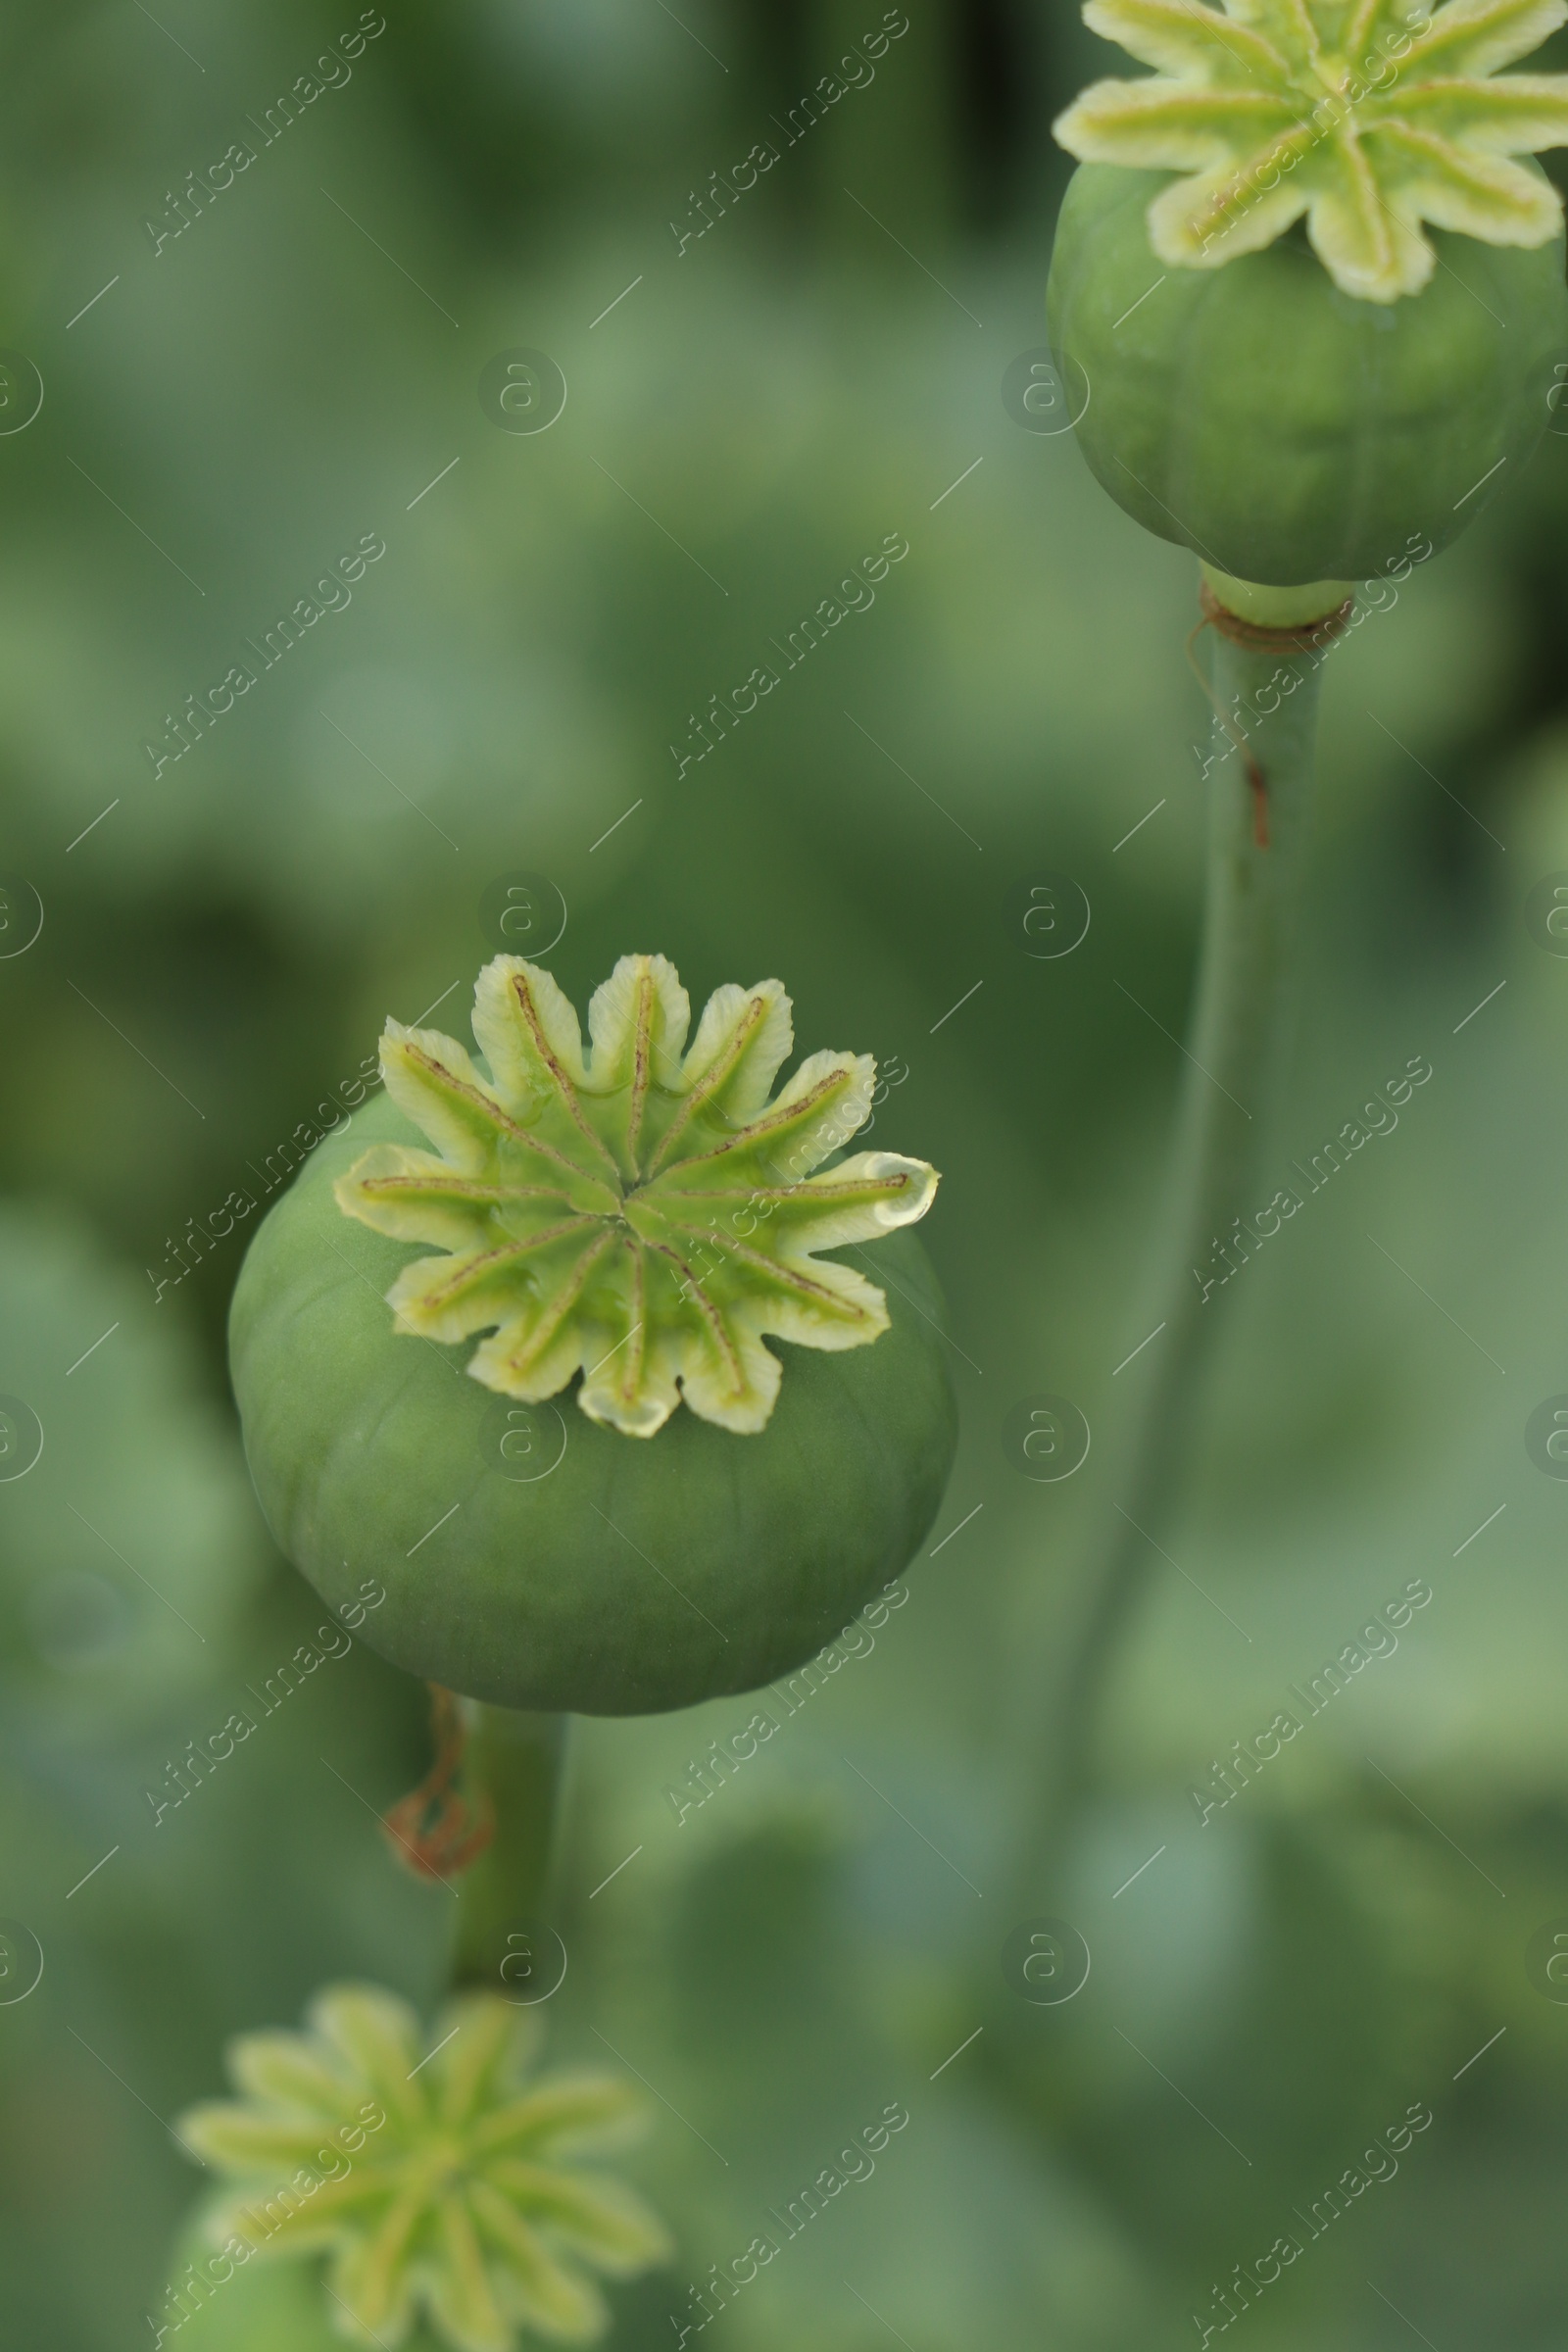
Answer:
(755, 416)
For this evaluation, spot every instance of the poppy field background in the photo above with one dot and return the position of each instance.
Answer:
(765, 386)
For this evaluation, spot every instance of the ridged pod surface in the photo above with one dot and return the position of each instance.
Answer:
(1282, 429)
(636, 1554)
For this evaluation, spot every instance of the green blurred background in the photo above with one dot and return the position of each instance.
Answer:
(221, 940)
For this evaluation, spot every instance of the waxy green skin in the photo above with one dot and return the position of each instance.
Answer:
(1281, 430)
(361, 1439)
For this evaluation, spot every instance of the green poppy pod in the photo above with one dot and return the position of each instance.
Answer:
(642, 1214)
(1308, 281)
(376, 2181)
(1280, 427)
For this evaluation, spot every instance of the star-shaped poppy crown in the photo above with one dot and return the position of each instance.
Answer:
(433, 2180)
(1368, 116)
(640, 1211)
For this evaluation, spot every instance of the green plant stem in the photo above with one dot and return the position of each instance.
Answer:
(1238, 1030)
(894, 146)
(519, 1759)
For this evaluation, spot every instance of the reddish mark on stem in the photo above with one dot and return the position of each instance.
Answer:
(439, 1828)
(1259, 785)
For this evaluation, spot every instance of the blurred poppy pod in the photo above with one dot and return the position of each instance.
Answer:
(640, 1213)
(444, 2187)
(1307, 279)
